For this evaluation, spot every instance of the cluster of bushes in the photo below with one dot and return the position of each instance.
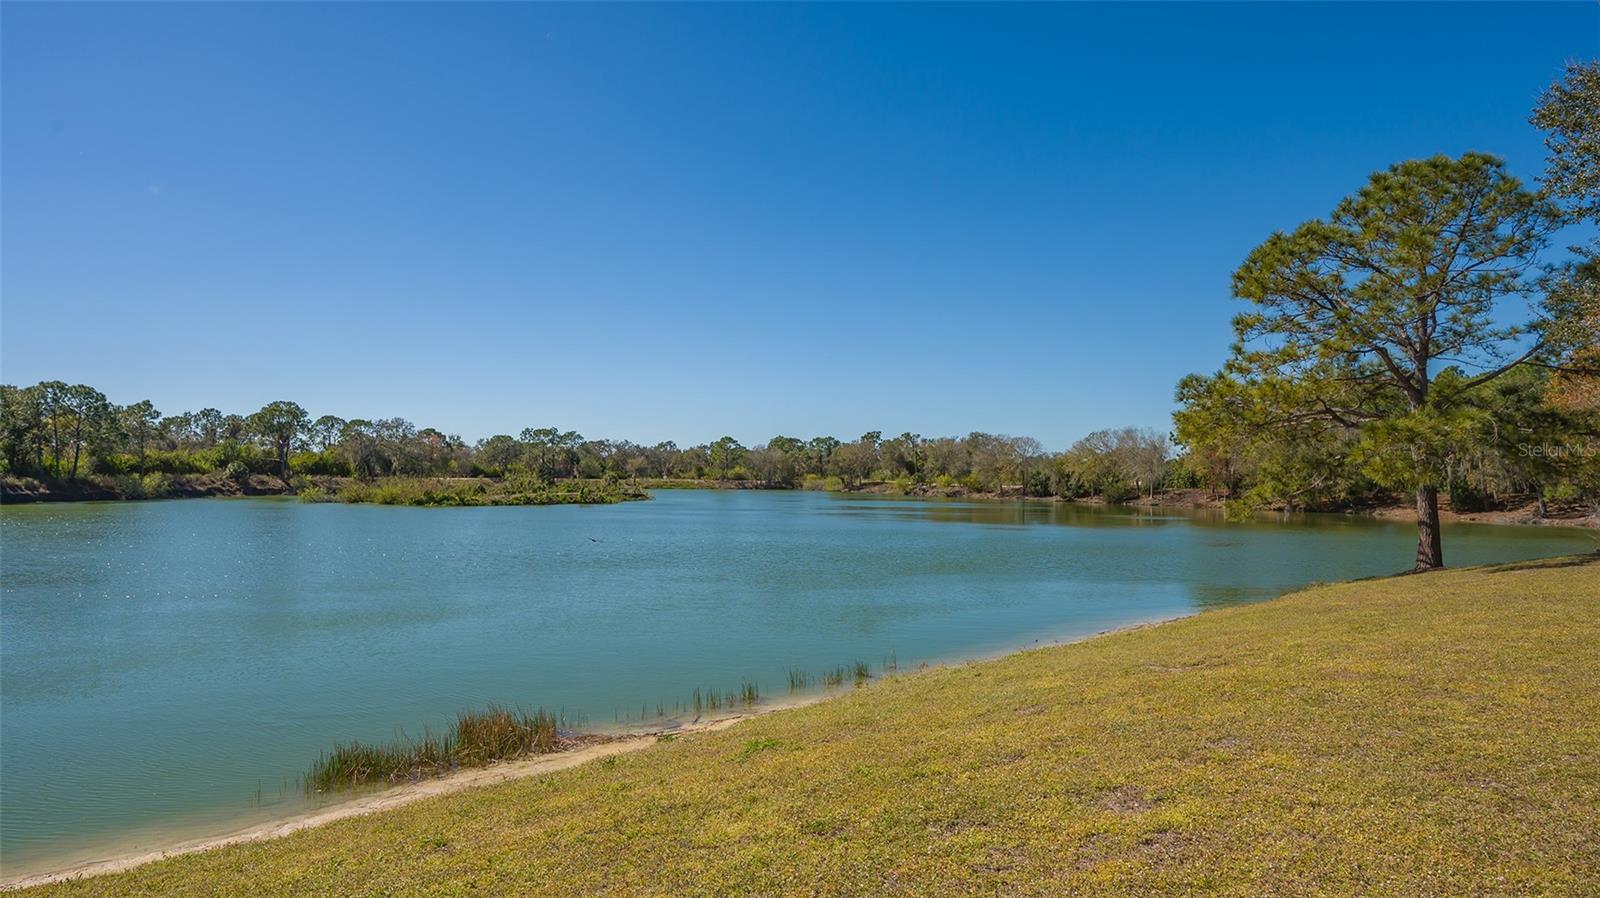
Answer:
(1519, 439)
(437, 492)
(221, 457)
(154, 485)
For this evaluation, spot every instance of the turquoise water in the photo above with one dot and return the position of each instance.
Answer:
(171, 667)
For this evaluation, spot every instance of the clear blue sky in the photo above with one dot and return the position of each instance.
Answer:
(674, 222)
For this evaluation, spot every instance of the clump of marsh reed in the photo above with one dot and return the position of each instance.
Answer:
(711, 700)
(475, 739)
(857, 672)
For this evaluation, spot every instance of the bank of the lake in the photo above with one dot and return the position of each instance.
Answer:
(31, 490)
(431, 492)
(1420, 735)
(226, 644)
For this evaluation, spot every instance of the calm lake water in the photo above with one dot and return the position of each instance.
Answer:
(169, 668)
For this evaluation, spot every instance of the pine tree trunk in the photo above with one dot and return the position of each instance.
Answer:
(1430, 547)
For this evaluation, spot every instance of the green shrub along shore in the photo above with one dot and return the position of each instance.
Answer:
(446, 492)
(1424, 735)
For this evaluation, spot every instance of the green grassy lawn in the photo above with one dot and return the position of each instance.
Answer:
(1427, 735)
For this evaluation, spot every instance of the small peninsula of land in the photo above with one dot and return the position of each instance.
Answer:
(471, 491)
(1321, 743)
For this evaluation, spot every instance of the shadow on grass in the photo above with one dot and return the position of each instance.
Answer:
(1541, 564)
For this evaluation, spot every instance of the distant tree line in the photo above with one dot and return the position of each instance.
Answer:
(60, 432)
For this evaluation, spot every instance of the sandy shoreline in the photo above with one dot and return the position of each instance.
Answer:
(401, 795)
(389, 798)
